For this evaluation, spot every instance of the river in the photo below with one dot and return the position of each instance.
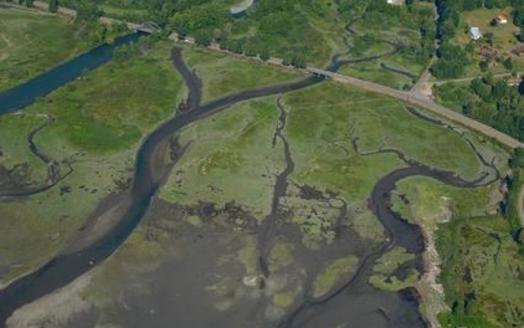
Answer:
(341, 305)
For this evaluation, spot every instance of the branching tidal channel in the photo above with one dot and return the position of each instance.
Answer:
(151, 171)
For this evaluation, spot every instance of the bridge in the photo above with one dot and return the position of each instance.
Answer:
(148, 27)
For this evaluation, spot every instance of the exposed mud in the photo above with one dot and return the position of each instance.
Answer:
(208, 278)
(66, 267)
(280, 189)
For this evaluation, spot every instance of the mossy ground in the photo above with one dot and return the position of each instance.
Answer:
(384, 276)
(332, 273)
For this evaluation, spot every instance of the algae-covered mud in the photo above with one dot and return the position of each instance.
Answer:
(178, 187)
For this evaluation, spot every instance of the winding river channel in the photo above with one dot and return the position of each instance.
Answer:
(339, 306)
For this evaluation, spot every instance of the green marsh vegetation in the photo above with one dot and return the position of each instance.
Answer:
(99, 121)
(234, 148)
(222, 74)
(402, 37)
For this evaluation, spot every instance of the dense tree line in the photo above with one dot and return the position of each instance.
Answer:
(497, 104)
(280, 28)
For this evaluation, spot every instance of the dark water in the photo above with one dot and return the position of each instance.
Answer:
(63, 269)
(17, 98)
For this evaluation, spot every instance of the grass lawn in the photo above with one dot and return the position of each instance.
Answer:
(503, 35)
(32, 43)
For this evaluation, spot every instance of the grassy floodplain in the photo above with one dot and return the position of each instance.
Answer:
(235, 148)
(223, 74)
(378, 33)
(99, 121)
(33, 42)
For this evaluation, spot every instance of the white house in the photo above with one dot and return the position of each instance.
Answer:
(474, 33)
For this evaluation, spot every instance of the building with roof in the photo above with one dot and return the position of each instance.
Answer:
(500, 19)
(475, 34)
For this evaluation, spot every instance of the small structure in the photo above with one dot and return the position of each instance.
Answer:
(396, 2)
(474, 33)
(500, 19)
(240, 8)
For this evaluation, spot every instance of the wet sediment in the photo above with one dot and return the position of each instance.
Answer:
(279, 191)
(394, 310)
(64, 268)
